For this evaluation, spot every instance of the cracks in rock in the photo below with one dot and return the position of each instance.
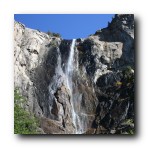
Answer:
(34, 51)
(23, 64)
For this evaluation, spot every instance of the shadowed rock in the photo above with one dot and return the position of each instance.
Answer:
(102, 92)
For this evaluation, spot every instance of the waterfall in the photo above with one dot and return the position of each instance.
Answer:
(69, 72)
(69, 69)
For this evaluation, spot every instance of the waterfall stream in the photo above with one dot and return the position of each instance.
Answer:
(69, 72)
(69, 69)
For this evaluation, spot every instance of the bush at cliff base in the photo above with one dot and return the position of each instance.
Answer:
(24, 122)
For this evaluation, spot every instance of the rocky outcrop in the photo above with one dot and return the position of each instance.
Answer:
(101, 100)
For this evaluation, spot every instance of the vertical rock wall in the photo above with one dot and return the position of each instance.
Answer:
(102, 78)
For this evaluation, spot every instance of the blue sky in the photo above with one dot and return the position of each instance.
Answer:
(68, 25)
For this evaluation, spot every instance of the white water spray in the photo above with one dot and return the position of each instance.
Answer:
(69, 69)
(69, 72)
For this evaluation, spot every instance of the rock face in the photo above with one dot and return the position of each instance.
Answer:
(101, 99)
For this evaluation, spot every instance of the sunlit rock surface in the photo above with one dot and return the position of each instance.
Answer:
(101, 99)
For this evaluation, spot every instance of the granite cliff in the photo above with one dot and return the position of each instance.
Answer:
(79, 86)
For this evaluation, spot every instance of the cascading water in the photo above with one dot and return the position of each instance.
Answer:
(69, 69)
(69, 72)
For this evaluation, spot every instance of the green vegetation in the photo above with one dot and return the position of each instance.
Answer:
(128, 71)
(24, 122)
(54, 43)
(118, 83)
(129, 123)
(54, 34)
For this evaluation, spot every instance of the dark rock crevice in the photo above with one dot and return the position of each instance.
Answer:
(102, 95)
